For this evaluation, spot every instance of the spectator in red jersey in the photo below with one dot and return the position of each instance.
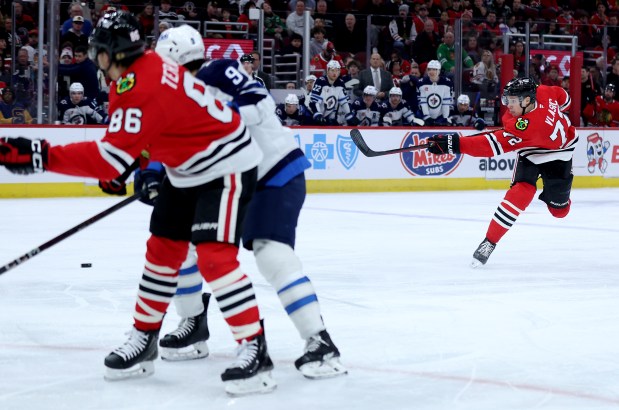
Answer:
(553, 77)
(454, 11)
(421, 18)
(491, 24)
(604, 112)
(22, 19)
(533, 116)
(244, 18)
(318, 63)
(599, 19)
(146, 19)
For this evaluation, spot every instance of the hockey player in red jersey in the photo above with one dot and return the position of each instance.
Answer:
(604, 112)
(537, 128)
(211, 162)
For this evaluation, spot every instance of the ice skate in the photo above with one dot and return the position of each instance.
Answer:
(134, 358)
(321, 358)
(188, 341)
(483, 252)
(251, 372)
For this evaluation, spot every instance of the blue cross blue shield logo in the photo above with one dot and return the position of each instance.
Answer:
(319, 151)
(347, 151)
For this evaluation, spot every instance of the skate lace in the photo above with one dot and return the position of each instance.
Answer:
(246, 353)
(184, 328)
(485, 249)
(134, 346)
(314, 344)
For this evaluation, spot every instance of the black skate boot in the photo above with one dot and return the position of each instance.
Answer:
(134, 358)
(188, 341)
(483, 252)
(321, 358)
(251, 372)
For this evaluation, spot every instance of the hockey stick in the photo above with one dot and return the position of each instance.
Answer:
(34, 252)
(357, 138)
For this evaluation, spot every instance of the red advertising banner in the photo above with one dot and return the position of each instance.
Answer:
(559, 58)
(225, 48)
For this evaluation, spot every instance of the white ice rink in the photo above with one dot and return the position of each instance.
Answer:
(536, 328)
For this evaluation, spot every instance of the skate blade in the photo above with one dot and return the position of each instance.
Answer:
(259, 384)
(139, 370)
(323, 370)
(195, 351)
(476, 264)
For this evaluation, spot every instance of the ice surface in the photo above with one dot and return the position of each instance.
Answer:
(536, 328)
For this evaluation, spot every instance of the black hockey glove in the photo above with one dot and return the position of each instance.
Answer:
(113, 187)
(479, 124)
(429, 121)
(441, 144)
(147, 182)
(23, 156)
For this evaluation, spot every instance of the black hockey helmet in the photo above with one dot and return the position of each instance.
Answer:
(520, 87)
(610, 87)
(118, 34)
(247, 58)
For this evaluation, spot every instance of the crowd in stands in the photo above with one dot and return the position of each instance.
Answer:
(411, 62)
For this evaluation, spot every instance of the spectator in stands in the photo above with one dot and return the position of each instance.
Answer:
(256, 64)
(604, 111)
(212, 12)
(485, 74)
(519, 58)
(291, 112)
(454, 11)
(565, 20)
(446, 53)
(166, 12)
(274, 26)
(5, 60)
(583, 30)
(351, 79)
(295, 46)
(422, 20)
(375, 76)
(11, 111)
(491, 24)
(435, 95)
(405, 65)
(252, 25)
(613, 76)
(612, 30)
(23, 79)
(479, 11)
(66, 56)
(163, 26)
(8, 30)
(502, 10)
(190, 12)
(471, 47)
(75, 9)
(599, 19)
(426, 44)
(318, 63)
(366, 111)
(309, 5)
(75, 35)
(403, 31)
(552, 78)
(351, 37)
(84, 71)
(295, 22)
(22, 19)
(329, 25)
(469, 28)
(76, 109)
(318, 42)
(589, 89)
(147, 20)
(443, 24)
(565, 83)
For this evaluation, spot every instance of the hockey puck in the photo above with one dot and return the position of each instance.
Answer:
(86, 265)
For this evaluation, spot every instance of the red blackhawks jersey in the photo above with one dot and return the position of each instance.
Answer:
(592, 112)
(542, 135)
(157, 107)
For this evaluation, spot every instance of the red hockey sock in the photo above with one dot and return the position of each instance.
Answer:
(159, 278)
(513, 204)
(231, 287)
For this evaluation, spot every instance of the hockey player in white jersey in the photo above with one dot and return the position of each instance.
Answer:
(291, 112)
(367, 112)
(271, 220)
(435, 93)
(398, 112)
(329, 96)
(464, 116)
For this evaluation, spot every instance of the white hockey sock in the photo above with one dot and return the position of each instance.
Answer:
(188, 297)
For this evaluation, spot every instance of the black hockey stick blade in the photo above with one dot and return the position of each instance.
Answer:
(34, 252)
(357, 138)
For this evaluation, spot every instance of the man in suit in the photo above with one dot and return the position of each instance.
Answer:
(375, 76)
(266, 78)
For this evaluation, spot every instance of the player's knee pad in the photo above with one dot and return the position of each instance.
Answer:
(216, 259)
(556, 195)
(166, 252)
(277, 262)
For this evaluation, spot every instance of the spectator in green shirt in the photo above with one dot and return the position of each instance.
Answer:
(446, 54)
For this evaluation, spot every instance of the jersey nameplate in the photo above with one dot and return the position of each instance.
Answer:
(125, 84)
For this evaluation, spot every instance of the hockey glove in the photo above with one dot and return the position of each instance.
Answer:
(479, 124)
(429, 121)
(147, 182)
(319, 119)
(113, 187)
(441, 144)
(23, 156)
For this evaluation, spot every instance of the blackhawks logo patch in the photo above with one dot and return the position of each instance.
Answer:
(125, 84)
(522, 124)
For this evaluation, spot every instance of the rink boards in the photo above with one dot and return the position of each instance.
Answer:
(338, 166)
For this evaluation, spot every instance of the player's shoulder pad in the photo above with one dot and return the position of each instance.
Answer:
(322, 81)
(442, 80)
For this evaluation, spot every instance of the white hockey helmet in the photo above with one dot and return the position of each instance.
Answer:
(333, 64)
(434, 64)
(182, 44)
(292, 99)
(76, 88)
(464, 99)
(370, 90)
(395, 91)
(310, 77)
